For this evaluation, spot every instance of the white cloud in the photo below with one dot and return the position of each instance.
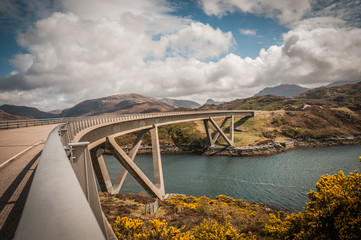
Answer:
(73, 56)
(314, 53)
(200, 41)
(82, 58)
(285, 11)
(249, 32)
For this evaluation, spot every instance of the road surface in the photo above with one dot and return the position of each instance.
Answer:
(16, 175)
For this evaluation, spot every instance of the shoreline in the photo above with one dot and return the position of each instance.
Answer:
(271, 148)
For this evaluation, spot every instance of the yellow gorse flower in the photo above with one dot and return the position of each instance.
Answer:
(333, 213)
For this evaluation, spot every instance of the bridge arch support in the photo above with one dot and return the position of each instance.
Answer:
(143, 125)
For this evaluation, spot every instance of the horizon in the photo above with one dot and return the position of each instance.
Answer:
(62, 52)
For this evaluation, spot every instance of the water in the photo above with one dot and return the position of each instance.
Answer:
(281, 180)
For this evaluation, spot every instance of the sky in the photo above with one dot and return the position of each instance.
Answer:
(56, 53)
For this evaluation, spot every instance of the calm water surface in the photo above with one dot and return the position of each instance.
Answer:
(282, 180)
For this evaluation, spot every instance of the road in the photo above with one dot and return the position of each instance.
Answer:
(13, 141)
(16, 175)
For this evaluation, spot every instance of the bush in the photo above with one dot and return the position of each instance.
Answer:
(333, 213)
(276, 122)
(211, 229)
(128, 228)
(292, 132)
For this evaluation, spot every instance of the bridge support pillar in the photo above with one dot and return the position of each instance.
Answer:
(157, 162)
(219, 132)
(155, 190)
(101, 170)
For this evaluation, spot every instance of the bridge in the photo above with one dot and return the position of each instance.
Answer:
(63, 201)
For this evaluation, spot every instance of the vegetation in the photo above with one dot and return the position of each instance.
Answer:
(334, 212)
(175, 134)
(183, 217)
(347, 95)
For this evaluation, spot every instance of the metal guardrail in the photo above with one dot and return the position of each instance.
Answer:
(8, 124)
(29, 123)
(56, 207)
(63, 201)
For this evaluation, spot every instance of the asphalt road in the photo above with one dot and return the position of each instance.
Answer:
(16, 176)
(13, 141)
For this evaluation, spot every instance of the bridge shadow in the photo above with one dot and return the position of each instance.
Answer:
(13, 217)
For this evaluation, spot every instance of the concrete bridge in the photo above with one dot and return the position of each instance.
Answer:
(63, 201)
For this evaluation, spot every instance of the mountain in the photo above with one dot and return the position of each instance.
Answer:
(56, 112)
(28, 112)
(180, 103)
(284, 90)
(117, 104)
(212, 102)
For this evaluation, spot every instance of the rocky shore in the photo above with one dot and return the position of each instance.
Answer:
(257, 150)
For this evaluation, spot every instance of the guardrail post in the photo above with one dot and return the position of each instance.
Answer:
(81, 162)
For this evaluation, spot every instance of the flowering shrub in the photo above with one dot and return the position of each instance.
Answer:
(211, 229)
(160, 230)
(333, 213)
(129, 228)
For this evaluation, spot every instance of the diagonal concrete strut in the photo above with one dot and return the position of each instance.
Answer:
(123, 172)
(156, 189)
(219, 132)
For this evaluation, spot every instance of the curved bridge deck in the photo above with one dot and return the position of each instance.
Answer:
(63, 201)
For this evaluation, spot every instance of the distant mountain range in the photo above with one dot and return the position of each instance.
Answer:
(22, 112)
(117, 104)
(180, 103)
(348, 95)
(212, 102)
(284, 90)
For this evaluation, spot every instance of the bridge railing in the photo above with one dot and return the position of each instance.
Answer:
(76, 125)
(29, 122)
(62, 200)
(8, 124)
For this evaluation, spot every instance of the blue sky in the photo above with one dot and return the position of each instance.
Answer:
(268, 32)
(56, 53)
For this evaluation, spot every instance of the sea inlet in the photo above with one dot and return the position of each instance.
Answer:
(281, 180)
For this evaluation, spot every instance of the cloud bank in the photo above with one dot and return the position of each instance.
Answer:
(86, 51)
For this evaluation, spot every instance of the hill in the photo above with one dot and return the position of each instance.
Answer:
(117, 104)
(180, 103)
(324, 113)
(348, 95)
(7, 116)
(285, 90)
(340, 83)
(26, 112)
